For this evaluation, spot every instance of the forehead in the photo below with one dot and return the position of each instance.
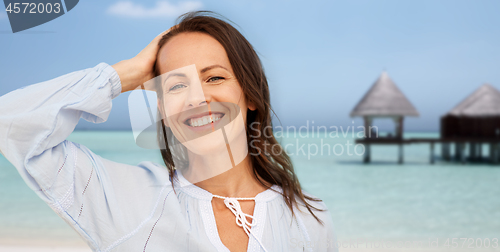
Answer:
(190, 48)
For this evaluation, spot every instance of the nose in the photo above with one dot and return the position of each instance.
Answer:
(196, 96)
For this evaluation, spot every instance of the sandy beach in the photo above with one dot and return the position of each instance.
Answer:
(43, 249)
(14, 248)
(42, 245)
(48, 245)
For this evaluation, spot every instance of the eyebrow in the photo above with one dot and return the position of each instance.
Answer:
(174, 74)
(212, 67)
(208, 68)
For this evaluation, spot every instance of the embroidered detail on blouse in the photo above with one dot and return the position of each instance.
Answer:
(61, 205)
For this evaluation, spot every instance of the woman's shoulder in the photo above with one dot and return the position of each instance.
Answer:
(320, 232)
(318, 207)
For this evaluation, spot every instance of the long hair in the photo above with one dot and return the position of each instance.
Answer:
(269, 161)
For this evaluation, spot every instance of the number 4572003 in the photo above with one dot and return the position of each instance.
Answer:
(471, 243)
(33, 8)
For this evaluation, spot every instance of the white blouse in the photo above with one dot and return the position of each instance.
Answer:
(120, 207)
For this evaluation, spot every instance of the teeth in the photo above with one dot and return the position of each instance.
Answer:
(202, 121)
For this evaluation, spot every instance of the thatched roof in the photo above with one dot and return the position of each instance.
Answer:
(485, 101)
(384, 99)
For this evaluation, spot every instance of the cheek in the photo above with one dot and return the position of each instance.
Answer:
(172, 109)
(244, 116)
(173, 105)
(234, 94)
(238, 98)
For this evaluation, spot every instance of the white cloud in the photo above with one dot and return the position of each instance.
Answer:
(163, 9)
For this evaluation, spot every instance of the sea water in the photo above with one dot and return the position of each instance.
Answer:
(381, 200)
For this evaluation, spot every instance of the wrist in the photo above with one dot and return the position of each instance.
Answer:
(125, 74)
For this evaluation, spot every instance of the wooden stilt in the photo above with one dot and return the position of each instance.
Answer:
(368, 123)
(462, 153)
(399, 127)
(457, 151)
(432, 153)
(494, 153)
(445, 151)
(480, 151)
(367, 155)
(490, 156)
(473, 151)
(368, 134)
(497, 153)
(400, 152)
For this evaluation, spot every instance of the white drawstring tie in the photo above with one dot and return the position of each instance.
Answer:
(241, 217)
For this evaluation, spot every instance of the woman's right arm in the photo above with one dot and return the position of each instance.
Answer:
(86, 190)
(34, 123)
(35, 120)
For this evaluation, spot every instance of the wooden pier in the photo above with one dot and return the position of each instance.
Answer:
(459, 144)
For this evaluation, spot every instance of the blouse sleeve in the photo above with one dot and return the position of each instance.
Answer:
(102, 200)
(36, 120)
(322, 236)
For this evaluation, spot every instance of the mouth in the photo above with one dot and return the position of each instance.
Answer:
(203, 119)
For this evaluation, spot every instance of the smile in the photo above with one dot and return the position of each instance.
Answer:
(203, 120)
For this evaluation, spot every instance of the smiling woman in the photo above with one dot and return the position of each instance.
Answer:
(217, 193)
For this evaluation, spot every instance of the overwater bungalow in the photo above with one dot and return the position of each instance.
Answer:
(474, 121)
(384, 100)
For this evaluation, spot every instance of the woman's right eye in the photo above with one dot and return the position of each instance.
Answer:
(176, 87)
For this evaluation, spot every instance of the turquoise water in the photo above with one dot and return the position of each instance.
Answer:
(381, 200)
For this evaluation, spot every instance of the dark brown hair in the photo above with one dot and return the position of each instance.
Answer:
(268, 167)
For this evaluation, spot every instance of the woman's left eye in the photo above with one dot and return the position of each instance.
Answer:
(215, 79)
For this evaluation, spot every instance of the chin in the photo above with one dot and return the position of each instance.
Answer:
(209, 144)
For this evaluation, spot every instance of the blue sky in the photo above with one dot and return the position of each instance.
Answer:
(320, 57)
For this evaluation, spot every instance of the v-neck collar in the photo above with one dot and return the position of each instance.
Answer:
(208, 216)
(202, 194)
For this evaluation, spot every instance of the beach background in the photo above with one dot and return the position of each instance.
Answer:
(379, 202)
(320, 58)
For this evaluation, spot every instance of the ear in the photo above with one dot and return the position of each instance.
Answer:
(251, 106)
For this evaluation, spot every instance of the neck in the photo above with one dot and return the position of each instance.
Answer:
(238, 181)
(220, 177)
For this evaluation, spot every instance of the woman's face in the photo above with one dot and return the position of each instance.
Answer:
(200, 93)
